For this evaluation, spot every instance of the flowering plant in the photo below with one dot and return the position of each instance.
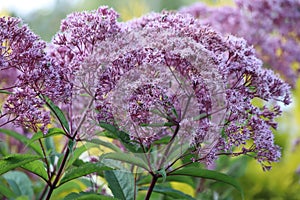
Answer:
(155, 96)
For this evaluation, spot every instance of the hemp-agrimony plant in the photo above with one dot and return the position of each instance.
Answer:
(167, 91)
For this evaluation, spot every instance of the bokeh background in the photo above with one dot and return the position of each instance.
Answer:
(281, 183)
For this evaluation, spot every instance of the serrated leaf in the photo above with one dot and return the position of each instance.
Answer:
(22, 139)
(175, 194)
(209, 174)
(125, 157)
(36, 167)
(58, 113)
(83, 170)
(87, 196)
(121, 184)
(15, 160)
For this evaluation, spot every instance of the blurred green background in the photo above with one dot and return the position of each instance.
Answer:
(281, 183)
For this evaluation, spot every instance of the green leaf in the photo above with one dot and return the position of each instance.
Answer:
(22, 139)
(72, 186)
(37, 167)
(5, 190)
(5, 92)
(110, 128)
(168, 124)
(58, 113)
(209, 174)
(175, 112)
(125, 157)
(51, 149)
(163, 173)
(121, 184)
(71, 145)
(163, 140)
(87, 196)
(78, 151)
(15, 160)
(123, 137)
(252, 88)
(22, 198)
(83, 170)
(180, 179)
(201, 116)
(105, 144)
(175, 194)
(51, 132)
(20, 183)
(3, 149)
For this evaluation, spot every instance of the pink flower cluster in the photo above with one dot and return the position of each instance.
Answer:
(164, 74)
(270, 25)
(31, 74)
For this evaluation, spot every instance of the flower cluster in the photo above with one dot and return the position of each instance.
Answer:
(33, 75)
(271, 26)
(70, 49)
(195, 82)
(243, 80)
(169, 73)
(164, 74)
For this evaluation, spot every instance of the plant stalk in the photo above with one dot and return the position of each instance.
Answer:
(150, 190)
(57, 178)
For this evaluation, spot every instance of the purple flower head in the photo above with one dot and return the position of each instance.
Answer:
(79, 33)
(271, 26)
(175, 55)
(71, 50)
(34, 75)
(148, 82)
(164, 74)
